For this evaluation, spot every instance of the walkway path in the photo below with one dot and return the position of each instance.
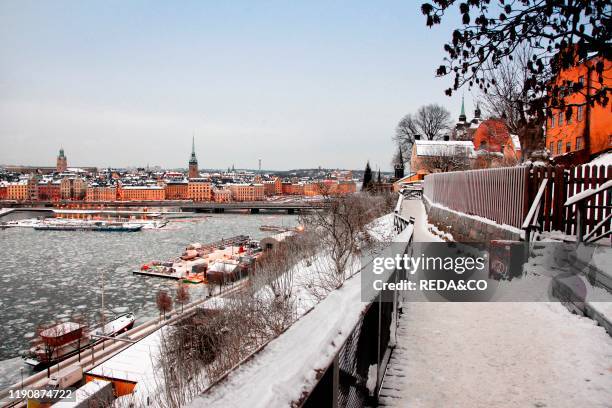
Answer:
(495, 354)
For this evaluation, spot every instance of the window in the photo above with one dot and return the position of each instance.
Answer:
(581, 80)
(560, 120)
(578, 143)
(552, 121)
(579, 114)
(568, 147)
(551, 147)
(559, 147)
(569, 118)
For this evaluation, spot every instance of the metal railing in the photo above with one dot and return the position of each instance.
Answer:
(346, 382)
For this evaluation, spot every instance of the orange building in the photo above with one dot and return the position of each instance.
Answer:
(101, 193)
(177, 190)
(273, 187)
(329, 187)
(346, 187)
(49, 191)
(199, 189)
(222, 195)
(569, 134)
(141, 193)
(247, 192)
(3, 192)
(17, 191)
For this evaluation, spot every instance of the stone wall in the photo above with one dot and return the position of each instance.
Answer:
(466, 228)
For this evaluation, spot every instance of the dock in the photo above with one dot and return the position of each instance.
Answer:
(186, 265)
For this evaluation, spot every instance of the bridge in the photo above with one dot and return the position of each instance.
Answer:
(290, 206)
(254, 206)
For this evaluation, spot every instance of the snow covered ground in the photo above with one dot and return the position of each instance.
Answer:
(495, 354)
(498, 355)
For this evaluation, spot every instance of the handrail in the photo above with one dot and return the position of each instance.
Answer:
(536, 204)
(581, 211)
(586, 194)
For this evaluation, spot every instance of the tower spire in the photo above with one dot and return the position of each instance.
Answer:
(462, 117)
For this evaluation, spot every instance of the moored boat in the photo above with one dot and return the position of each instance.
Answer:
(63, 340)
(89, 226)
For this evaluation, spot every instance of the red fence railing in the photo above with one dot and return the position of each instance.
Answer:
(504, 195)
(495, 194)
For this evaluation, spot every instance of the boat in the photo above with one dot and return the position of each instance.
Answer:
(56, 343)
(89, 226)
(118, 325)
(64, 340)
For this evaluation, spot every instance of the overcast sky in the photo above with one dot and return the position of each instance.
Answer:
(127, 83)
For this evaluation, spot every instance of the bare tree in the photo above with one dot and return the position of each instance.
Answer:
(507, 97)
(182, 295)
(342, 233)
(164, 302)
(431, 122)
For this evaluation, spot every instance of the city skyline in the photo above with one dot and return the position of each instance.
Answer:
(250, 82)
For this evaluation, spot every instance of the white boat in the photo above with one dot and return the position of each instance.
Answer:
(116, 326)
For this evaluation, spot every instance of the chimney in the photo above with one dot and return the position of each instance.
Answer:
(446, 138)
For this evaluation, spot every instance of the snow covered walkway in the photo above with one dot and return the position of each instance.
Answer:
(495, 354)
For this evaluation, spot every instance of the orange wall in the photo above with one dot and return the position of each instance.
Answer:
(601, 117)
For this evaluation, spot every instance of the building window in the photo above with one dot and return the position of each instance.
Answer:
(578, 143)
(551, 147)
(560, 121)
(569, 119)
(579, 114)
(581, 80)
(559, 147)
(552, 121)
(568, 147)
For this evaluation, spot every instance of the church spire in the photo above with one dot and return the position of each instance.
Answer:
(193, 158)
(462, 117)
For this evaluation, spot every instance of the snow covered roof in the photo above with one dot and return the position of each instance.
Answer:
(443, 147)
(142, 188)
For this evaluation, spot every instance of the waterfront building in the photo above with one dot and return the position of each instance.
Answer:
(587, 132)
(247, 192)
(49, 190)
(62, 162)
(273, 187)
(3, 191)
(177, 190)
(193, 161)
(222, 195)
(101, 193)
(141, 193)
(73, 188)
(17, 191)
(199, 189)
(329, 187)
(33, 187)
